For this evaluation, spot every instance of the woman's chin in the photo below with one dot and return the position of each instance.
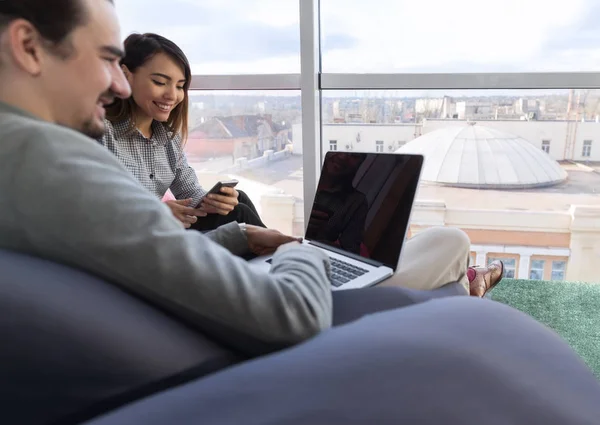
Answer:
(161, 117)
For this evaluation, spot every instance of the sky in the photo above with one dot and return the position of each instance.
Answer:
(381, 36)
(263, 36)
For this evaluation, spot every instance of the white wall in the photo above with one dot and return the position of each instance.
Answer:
(536, 131)
(345, 134)
(532, 131)
(297, 139)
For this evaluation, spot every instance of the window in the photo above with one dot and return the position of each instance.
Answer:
(333, 145)
(472, 259)
(510, 265)
(246, 36)
(546, 146)
(488, 145)
(539, 38)
(254, 137)
(536, 270)
(558, 270)
(379, 146)
(587, 148)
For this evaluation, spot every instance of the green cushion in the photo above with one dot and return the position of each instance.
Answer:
(572, 309)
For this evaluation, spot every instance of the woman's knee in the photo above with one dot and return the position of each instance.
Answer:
(247, 215)
(242, 197)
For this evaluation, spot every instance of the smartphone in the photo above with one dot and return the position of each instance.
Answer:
(216, 189)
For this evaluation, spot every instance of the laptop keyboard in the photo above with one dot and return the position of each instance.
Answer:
(342, 272)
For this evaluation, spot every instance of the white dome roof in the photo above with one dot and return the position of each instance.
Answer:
(475, 156)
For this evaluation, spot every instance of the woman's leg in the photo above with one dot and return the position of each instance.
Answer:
(245, 199)
(432, 259)
(244, 212)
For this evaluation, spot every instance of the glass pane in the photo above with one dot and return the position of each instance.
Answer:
(485, 171)
(537, 264)
(459, 36)
(558, 275)
(233, 37)
(252, 136)
(536, 274)
(559, 266)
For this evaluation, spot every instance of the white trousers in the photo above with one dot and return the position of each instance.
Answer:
(433, 258)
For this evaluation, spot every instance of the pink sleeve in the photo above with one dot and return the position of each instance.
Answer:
(168, 196)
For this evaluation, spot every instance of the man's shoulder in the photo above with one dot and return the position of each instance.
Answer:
(39, 140)
(22, 128)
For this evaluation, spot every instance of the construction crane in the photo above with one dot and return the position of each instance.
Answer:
(574, 110)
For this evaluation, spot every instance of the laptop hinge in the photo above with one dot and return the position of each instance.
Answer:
(347, 254)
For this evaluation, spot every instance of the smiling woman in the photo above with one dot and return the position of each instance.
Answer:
(159, 75)
(148, 131)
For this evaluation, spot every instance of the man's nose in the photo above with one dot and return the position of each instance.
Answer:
(120, 86)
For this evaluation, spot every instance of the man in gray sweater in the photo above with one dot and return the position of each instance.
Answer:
(66, 198)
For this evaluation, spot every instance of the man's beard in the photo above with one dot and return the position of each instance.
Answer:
(93, 129)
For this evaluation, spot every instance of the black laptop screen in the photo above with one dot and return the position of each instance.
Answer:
(363, 203)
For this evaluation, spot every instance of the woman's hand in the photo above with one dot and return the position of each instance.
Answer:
(222, 203)
(184, 213)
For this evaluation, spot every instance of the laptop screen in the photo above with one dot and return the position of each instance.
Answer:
(363, 203)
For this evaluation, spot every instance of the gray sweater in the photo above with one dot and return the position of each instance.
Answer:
(66, 198)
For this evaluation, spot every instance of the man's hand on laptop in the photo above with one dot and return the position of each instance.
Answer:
(263, 241)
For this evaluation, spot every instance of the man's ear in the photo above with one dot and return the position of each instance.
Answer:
(25, 46)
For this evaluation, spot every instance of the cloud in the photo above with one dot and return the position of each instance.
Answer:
(151, 16)
(575, 47)
(240, 42)
(262, 36)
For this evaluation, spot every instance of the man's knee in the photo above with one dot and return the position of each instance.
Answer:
(458, 238)
(448, 236)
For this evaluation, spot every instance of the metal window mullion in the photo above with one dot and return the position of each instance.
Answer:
(246, 82)
(310, 67)
(465, 81)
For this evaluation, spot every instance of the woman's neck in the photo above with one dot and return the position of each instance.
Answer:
(144, 125)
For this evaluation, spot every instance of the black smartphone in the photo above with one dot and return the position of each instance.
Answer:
(216, 189)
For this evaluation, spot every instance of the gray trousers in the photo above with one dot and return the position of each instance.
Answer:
(451, 361)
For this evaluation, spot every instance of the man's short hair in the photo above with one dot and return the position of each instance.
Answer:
(53, 19)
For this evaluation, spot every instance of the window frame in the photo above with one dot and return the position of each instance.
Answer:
(500, 256)
(586, 150)
(312, 82)
(546, 145)
(564, 271)
(542, 270)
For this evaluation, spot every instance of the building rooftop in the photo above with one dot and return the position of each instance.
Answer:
(582, 187)
(479, 157)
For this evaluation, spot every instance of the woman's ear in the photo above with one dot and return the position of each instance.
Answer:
(127, 73)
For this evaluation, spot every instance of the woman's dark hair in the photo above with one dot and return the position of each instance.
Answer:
(140, 48)
(54, 19)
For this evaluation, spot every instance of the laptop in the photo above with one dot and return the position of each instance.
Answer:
(361, 214)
